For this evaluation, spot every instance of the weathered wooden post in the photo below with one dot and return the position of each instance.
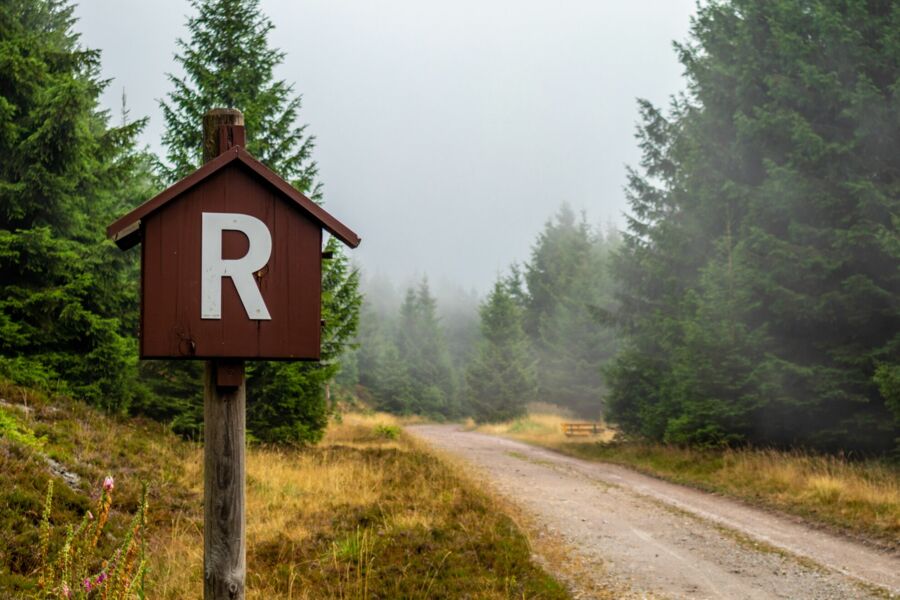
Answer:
(224, 426)
(231, 270)
(224, 522)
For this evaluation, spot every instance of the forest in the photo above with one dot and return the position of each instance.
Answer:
(752, 296)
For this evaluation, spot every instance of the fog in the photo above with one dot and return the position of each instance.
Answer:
(447, 132)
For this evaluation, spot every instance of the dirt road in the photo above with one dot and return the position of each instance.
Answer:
(667, 540)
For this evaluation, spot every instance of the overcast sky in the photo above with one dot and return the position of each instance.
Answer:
(447, 131)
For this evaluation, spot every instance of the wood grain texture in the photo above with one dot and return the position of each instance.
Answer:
(224, 522)
(212, 126)
(290, 283)
(224, 423)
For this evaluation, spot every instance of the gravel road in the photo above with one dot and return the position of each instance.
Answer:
(667, 540)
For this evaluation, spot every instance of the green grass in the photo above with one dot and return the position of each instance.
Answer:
(12, 428)
(388, 432)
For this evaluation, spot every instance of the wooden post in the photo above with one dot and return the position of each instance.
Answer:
(224, 120)
(224, 424)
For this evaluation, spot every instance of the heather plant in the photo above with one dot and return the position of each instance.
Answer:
(79, 570)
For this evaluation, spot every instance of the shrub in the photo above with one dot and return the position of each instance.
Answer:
(388, 432)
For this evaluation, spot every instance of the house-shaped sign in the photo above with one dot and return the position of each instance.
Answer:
(231, 264)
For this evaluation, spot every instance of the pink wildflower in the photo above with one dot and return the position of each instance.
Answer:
(108, 483)
(66, 591)
(87, 584)
(101, 578)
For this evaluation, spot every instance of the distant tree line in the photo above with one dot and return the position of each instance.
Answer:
(534, 337)
(68, 297)
(755, 294)
(403, 360)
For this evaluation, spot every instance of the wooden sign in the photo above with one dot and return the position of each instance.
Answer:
(230, 264)
(231, 269)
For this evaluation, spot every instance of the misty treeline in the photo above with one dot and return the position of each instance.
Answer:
(759, 280)
(68, 297)
(533, 337)
(756, 291)
(752, 298)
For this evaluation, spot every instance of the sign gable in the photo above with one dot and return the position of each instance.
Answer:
(126, 230)
(288, 283)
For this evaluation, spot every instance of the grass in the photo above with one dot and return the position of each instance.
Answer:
(75, 440)
(367, 513)
(856, 497)
(544, 428)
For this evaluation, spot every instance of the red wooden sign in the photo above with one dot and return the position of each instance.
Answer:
(231, 264)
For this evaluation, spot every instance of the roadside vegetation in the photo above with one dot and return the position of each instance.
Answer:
(856, 497)
(77, 447)
(367, 513)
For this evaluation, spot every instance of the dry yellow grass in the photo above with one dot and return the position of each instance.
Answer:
(283, 487)
(367, 513)
(362, 429)
(542, 428)
(856, 497)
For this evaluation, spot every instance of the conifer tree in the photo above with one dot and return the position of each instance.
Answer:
(381, 372)
(500, 380)
(67, 298)
(567, 281)
(228, 63)
(760, 279)
(423, 350)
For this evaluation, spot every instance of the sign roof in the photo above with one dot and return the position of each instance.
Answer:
(126, 230)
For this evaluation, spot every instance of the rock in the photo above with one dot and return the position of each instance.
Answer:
(71, 479)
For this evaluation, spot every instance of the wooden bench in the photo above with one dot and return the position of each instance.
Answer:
(581, 429)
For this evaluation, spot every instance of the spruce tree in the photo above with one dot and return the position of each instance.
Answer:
(68, 300)
(567, 282)
(500, 380)
(382, 374)
(760, 279)
(659, 260)
(228, 63)
(422, 348)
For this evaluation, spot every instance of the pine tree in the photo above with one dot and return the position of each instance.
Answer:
(423, 350)
(766, 212)
(67, 298)
(567, 281)
(392, 387)
(500, 380)
(658, 261)
(382, 374)
(228, 63)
